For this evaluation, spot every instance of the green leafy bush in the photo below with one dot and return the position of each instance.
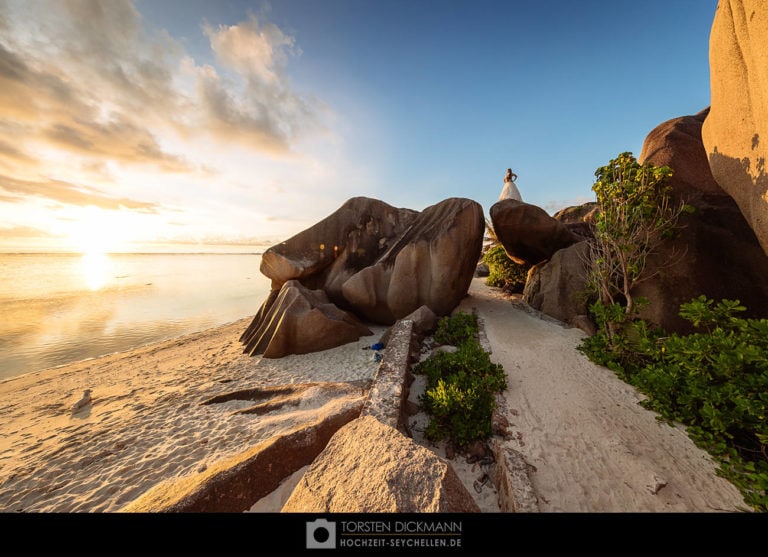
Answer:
(715, 381)
(503, 272)
(636, 215)
(456, 329)
(461, 386)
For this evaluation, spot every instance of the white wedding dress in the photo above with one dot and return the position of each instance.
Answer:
(510, 191)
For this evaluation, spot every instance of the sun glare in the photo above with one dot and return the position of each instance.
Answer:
(96, 270)
(98, 232)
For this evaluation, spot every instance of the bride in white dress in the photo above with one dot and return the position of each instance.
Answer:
(510, 190)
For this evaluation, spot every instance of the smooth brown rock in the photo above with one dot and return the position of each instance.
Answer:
(528, 233)
(677, 144)
(372, 262)
(558, 287)
(431, 264)
(715, 253)
(329, 252)
(299, 321)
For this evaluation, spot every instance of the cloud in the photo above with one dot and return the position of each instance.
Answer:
(88, 77)
(24, 232)
(64, 192)
(91, 93)
(62, 105)
(259, 107)
(9, 151)
(118, 140)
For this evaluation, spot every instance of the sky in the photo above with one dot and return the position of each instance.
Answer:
(153, 125)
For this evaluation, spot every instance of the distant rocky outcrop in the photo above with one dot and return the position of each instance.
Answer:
(527, 232)
(735, 132)
(369, 467)
(373, 261)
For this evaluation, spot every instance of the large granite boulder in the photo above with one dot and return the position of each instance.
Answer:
(432, 264)
(298, 320)
(677, 144)
(735, 132)
(527, 232)
(369, 467)
(558, 286)
(325, 255)
(372, 260)
(716, 253)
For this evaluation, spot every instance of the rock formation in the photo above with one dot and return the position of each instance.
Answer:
(325, 255)
(369, 467)
(558, 287)
(424, 322)
(527, 232)
(373, 261)
(235, 483)
(735, 132)
(716, 253)
(432, 263)
(298, 321)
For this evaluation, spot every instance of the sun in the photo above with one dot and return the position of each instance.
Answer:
(96, 270)
(96, 231)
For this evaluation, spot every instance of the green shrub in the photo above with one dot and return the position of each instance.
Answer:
(456, 329)
(461, 386)
(503, 272)
(715, 381)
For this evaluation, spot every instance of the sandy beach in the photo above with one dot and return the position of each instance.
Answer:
(146, 423)
(592, 447)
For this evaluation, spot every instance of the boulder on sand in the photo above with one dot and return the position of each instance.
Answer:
(369, 467)
(298, 320)
(374, 262)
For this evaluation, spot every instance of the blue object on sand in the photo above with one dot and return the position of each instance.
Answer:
(377, 346)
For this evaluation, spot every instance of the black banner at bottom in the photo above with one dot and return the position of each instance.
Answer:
(351, 533)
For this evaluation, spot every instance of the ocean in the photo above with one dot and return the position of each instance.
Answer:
(61, 308)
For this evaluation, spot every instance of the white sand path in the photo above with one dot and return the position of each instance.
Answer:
(595, 449)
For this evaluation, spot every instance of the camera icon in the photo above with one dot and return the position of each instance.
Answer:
(321, 534)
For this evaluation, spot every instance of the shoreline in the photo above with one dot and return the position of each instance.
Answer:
(150, 344)
(146, 423)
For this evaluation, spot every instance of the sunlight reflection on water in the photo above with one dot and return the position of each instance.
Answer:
(96, 269)
(62, 308)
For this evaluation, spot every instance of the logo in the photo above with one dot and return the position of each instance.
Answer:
(321, 534)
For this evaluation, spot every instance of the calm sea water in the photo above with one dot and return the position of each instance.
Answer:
(61, 308)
